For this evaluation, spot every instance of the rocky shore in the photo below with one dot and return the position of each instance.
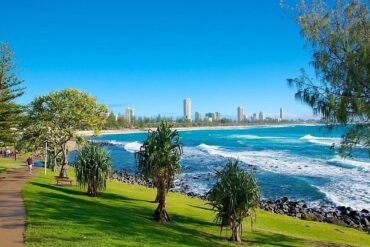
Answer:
(343, 216)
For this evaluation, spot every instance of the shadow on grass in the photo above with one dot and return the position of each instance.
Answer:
(121, 219)
(203, 208)
(261, 238)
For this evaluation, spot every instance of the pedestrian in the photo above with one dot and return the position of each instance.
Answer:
(30, 164)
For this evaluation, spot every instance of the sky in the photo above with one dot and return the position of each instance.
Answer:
(150, 55)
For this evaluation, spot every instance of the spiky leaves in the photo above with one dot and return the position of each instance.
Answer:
(235, 196)
(159, 159)
(93, 167)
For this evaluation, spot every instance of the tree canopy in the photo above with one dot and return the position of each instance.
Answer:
(10, 89)
(338, 35)
(57, 117)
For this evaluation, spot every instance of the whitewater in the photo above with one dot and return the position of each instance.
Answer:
(301, 162)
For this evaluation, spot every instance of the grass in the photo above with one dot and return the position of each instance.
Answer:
(121, 216)
(9, 164)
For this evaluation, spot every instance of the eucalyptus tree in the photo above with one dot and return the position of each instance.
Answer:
(159, 159)
(58, 116)
(234, 197)
(338, 34)
(93, 167)
(10, 89)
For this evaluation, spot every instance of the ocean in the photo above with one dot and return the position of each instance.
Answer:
(296, 161)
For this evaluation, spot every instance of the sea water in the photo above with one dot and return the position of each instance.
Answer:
(294, 161)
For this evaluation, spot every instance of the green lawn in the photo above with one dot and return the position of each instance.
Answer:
(8, 164)
(64, 216)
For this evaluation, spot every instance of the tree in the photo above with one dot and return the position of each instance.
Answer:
(339, 37)
(159, 159)
(235, 196)
(111, 122)
(93, 167)
(10, 89)
(57, 117)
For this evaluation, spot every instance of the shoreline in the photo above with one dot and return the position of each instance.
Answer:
(127, 131)
(332, 214)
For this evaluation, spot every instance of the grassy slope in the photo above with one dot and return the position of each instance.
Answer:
(64, 216)
(8, 164)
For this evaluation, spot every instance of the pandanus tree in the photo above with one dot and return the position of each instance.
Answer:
(159, 160)
(234, 197)
(93, 168)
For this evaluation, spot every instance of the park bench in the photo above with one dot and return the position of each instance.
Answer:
(61, 181)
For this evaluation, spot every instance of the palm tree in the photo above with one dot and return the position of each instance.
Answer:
(93, 167)
(235, 196)
(159, 160)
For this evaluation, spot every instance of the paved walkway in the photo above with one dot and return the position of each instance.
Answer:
(12, 212)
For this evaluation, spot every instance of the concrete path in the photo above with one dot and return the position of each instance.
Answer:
(12, 211)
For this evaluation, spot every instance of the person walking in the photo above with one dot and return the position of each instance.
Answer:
(30, 164)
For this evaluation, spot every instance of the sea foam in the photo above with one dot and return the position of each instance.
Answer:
(327, 141)
(132, 147)
(341, 181)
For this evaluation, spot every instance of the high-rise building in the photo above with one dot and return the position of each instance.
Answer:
(254, 117)
(217, 116)
(187, 109)
(198, 117)
(241, 114)
(130, 114)
(261, 116)
(281, 114)
(210, 115)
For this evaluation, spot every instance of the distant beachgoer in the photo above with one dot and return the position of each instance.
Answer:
(30, 164)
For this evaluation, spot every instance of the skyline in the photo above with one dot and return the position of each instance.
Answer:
(219, 54)
(193, 115)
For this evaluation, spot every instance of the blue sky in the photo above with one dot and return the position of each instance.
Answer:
(150, 55)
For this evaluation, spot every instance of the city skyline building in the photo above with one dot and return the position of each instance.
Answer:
(218, 116)
(130, 114)
(198, 117)
(281, 114)
(261, 116)
(187, 109)
(240, 114)
(254, 117)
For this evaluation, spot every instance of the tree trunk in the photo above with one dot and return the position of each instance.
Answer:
(91, 190)
(157, 197)
(55, 160)
(160, 213)
(235, 237)
(63, 170)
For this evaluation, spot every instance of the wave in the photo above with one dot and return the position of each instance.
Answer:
(133, 147)
(253, 137)
(326, 141)
(130, 147)
(349, 163)
(111, 142)
(342, 180)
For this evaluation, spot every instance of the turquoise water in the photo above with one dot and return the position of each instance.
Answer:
(293, 161)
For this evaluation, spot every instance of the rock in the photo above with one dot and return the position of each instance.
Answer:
(365, 211)
(365, 222)
(284, 199)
